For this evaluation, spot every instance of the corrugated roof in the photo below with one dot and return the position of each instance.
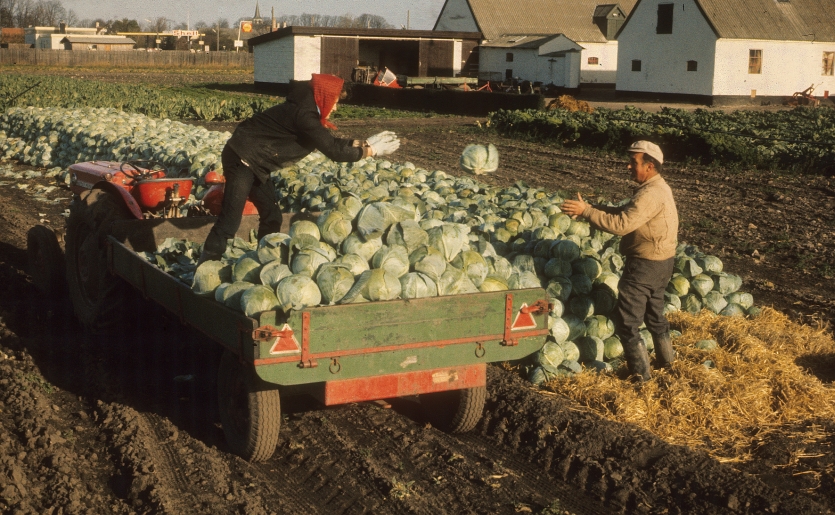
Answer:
(100, 40)
(574, 18)
(793, 20)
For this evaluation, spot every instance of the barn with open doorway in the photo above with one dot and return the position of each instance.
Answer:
(294, 53)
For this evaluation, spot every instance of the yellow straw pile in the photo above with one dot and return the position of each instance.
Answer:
(754, 389)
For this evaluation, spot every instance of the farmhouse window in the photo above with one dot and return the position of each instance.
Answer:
(755, 61)
(692, 66)
(665, 19)
(828, 63)
(508, 74)
(636, 65)
(592, 60)
(509, 57)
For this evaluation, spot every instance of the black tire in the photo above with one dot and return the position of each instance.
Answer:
(98, 297)
(249, 408)
(455, 411)
(46, 261)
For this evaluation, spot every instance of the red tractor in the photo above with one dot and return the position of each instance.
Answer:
(106, 191)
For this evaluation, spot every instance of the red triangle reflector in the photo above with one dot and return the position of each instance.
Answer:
(286, 342)
(523, 320)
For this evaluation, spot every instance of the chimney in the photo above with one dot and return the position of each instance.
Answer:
(62, 28)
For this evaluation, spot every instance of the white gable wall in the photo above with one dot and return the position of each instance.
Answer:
(787, 67)
(664, 56)
(456, 16)
(606, 69)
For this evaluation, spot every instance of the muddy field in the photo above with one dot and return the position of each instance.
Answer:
(130, 426)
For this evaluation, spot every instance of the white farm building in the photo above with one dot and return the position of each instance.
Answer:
(728, 51)
(294, 52)
(567, 43)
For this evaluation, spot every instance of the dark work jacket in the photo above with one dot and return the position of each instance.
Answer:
(288, 132)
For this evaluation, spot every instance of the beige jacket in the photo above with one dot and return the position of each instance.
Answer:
(648, 223)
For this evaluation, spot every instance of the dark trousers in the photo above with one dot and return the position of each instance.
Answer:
(641, 299)
(242, 182)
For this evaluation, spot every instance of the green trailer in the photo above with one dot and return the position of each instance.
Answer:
(437, 348)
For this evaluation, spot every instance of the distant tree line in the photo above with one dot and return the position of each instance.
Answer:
(43, 13)
(364, 21)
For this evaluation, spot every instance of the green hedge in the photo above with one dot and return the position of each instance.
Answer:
(801, 138)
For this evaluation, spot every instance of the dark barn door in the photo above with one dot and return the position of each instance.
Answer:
(436, 58)
(339, 56)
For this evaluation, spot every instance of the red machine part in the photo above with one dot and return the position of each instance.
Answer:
(213, 199)
(142, 189)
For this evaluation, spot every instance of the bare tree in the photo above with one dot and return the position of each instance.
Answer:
(159, 24)
(49, 12)
(372, 21)
(8, 9)
(72, 19)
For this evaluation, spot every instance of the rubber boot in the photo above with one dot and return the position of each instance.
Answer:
(664, 353)
(637, 361)
(213, 249)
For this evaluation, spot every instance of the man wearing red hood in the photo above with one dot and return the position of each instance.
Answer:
(282, 133)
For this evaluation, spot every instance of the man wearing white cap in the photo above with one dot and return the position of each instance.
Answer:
(648, 224)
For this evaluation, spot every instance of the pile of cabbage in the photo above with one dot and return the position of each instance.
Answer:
(390, 231)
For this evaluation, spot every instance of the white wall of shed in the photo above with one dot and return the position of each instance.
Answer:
(308, 56)
(527, 64)
(606, 69)
(787, 67)
(456, 16)
(664, 56)
(273, 61)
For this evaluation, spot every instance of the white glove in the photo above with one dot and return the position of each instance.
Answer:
(383, 144)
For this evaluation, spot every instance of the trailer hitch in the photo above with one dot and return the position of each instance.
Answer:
(537, 308)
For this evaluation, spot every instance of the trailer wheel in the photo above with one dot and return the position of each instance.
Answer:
(250, 410)
(98, 297)
(455, 411)
(46, 261)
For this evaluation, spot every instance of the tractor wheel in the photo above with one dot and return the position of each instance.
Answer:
(46, 261)
(98, 297)
(250, 410)
(454, 411)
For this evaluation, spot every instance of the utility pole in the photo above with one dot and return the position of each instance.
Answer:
(218, 35)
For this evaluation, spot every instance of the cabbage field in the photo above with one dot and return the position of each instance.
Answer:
(799, 139)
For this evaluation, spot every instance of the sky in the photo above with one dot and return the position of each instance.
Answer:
(421, 14)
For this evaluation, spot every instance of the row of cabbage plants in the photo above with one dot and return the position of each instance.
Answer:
(387, 231)
(154, 101)
(801, 138)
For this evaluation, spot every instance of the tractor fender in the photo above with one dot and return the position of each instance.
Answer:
(122, 193)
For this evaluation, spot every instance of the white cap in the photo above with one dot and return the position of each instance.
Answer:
(649, 148)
